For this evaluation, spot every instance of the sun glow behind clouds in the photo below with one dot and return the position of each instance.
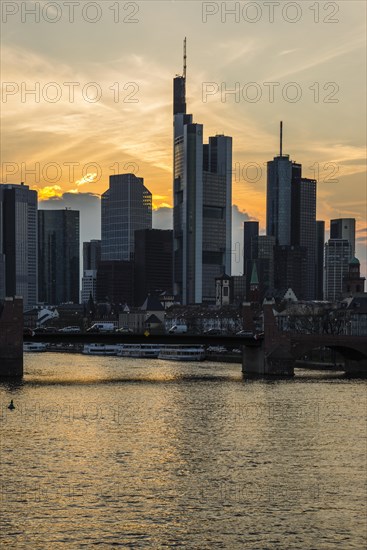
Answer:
(55, 191)
(49, 192)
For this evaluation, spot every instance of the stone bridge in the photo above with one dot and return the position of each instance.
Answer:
(280, 349)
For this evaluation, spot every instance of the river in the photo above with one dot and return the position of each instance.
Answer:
(133, 453)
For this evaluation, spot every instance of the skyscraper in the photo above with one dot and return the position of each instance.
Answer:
(91, 254)
(303, 228)
(320, 245)
(58, 256)
(290, 267)
(91, 259)
(339, 251)
(115, 282)
(250, 230)
(337, 258)
(126, 207)
(282, 172)
(202, 214)
(291, 219)
(19, 238)
(344, 228)
(263, 251)
(153, 263)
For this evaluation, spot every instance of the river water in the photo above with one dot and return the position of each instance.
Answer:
(135, 453)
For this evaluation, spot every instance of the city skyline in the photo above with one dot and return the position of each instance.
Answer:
(136, 136)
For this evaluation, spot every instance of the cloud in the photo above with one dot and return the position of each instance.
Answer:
(49, 192)
(89, 206)
(163, 218)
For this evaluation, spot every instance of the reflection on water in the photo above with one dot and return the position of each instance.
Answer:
(153, 454)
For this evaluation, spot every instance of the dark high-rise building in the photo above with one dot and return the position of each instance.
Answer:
(58, 256)
(126, 207)
(291, 219)
(290, 267)
(153, 260)
(91, 254)
(319, 271)
(344, 228)
(282, 172)
(337, 257)
(339, 251)
(19, 242)
(202, 214)
(303, 228)
(263, 251)
(115, 282)
(91, 259)
(250, 230)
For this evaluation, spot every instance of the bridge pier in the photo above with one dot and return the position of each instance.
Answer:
(257, 363)
(11, 338)
(356, 367)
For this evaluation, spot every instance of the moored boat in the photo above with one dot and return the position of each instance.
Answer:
(34, 346)
(101, 349)
(182, 353)
(139, 350)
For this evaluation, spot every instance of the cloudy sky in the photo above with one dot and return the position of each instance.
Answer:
(101, 75)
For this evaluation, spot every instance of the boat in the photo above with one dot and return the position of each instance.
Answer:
(182, 353)
(34, 346)
(101, 349)
(139, 350)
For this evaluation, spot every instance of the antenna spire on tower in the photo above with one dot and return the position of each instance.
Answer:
(184, 59)
(281, 138)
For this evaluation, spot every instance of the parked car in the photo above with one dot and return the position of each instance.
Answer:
(247, 333)
(213, 332)
(102, 327)
(70, 330)
(28, 332)
(178, 329)
(124, 330)
(45, 330)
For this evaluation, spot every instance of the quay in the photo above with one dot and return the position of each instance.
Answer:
(11, 338)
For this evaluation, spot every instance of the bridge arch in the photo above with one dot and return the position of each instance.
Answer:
(347, 351)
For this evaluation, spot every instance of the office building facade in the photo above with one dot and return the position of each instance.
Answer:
(319, 266)
(202, 198)
(125, 207)
(303, 229)
(337, 257)
(281, 173)
(290, 268)
(250, 231)
(344, 228)
(19, 242)
(291, 220)
(153, 259)
(91, 259)
(58, 256)
(91, 254)
(115, 282)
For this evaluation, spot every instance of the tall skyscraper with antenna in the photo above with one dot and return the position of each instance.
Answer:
(202, 203)
(291, 219)
(281, 172)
